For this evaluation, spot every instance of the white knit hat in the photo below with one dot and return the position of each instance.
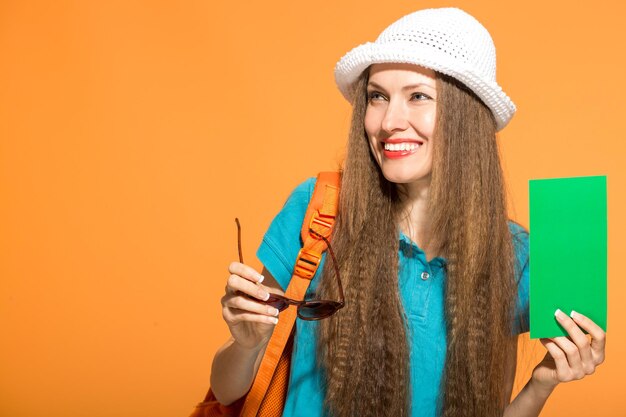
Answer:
(446, 40)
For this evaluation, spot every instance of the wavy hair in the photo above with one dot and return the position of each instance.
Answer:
(363, 348)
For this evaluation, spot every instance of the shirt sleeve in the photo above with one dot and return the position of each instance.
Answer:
(520, 241)
(282, 241)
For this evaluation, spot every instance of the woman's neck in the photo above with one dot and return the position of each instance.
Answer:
(414, 222)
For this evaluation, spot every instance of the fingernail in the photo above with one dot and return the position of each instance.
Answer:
(559, 314)
(273, 320)
(260, 278)
(263, 295)
(574, 315)
(273, 311)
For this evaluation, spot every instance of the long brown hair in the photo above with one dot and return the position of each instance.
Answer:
(363, 348)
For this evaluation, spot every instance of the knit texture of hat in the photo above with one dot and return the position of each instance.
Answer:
(447, 40)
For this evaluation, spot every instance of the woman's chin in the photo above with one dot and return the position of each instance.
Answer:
(406, 177)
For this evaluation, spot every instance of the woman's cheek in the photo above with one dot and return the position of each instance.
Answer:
(430, 130)
(425, 122)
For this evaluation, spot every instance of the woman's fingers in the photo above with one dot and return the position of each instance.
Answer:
(563, 370)
(239, 302)
(245, 271)
(246, 280)
(582, 356)
(578, 350)
(572, 355)
(598, 336)
(235, 316)
(236, 285)
(249, 320)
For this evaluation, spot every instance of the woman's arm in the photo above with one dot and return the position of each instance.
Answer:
(251, 324)
(568, 359)
(529, 401)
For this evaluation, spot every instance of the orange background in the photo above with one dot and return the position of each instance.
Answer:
(132, 133)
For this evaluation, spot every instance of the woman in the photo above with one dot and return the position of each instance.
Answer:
(435, 276)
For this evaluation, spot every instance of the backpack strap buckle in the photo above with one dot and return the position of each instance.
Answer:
(321, 226)
(307, 262)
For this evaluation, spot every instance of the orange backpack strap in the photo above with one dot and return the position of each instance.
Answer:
(267, 395)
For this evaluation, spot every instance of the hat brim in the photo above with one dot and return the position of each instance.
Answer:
(352, 64)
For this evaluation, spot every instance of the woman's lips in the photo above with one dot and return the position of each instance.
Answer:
(400, 148)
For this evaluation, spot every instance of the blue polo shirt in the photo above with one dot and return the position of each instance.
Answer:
(421, 285)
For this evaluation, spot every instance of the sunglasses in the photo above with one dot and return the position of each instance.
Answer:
(307, 309)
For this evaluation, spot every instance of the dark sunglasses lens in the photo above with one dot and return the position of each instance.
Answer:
(316, 310)
(277, 302)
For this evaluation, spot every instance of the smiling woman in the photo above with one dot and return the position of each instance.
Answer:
(133, 132)
(422, 195)
(400, 121)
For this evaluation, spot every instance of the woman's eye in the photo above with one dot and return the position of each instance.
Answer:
(375, 95)
(420, 96)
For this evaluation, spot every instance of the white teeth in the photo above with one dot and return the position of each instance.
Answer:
(404, 146)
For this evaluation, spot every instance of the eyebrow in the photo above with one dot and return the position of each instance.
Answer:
(406, 87)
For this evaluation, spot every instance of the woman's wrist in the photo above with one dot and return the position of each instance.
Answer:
(540, 389)
(249, 350)
(530, 400)
(233, 371)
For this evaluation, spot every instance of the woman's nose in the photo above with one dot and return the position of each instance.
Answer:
(395, 118)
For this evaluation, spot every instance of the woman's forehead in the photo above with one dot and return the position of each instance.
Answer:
(401, 72)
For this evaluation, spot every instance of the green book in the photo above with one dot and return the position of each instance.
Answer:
(568, 251)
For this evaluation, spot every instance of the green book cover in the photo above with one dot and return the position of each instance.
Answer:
(568, 251)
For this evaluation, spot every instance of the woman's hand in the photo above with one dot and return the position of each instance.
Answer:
(570, 358)
(250, 322)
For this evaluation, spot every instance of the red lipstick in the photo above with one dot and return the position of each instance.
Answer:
(409, 149)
